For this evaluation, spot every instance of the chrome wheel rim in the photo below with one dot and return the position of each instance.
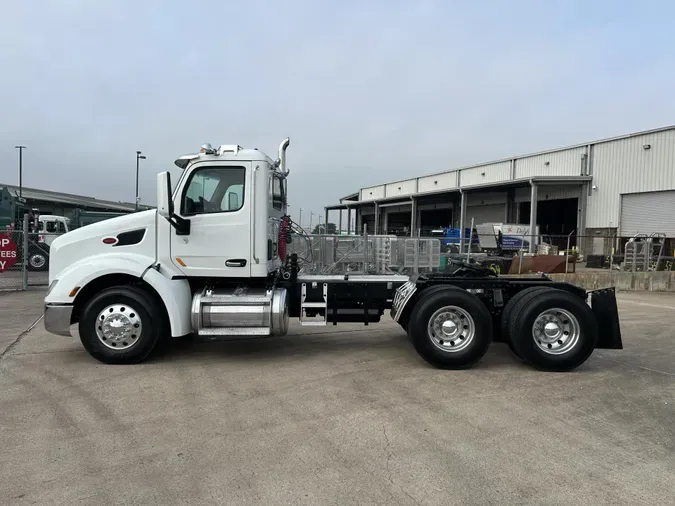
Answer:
(556, 331)
(37, 261)
(118, 326)
(451, 329)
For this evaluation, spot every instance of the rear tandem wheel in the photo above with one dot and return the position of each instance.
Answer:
(552, 329)
(450, 328)
(508, 309)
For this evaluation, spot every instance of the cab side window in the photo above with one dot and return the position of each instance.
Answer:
(50, 227)
(214, 190)
(61, 227)
(278, 192)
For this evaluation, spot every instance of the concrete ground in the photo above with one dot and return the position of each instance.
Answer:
(342, 415)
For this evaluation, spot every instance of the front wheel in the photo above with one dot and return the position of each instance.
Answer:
(38, 262)
(450, 328)
(121, 325)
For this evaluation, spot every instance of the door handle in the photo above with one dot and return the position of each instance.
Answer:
(239, 262)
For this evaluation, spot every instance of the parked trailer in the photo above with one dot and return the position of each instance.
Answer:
(212, 261)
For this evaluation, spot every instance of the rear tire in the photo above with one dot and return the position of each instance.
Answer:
(553, 330)
(450, 328)
(508, 310)
(419, 296)
(121, 325)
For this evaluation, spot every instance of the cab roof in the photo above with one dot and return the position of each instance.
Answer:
(222, 153)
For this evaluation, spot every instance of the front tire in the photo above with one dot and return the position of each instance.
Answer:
(450, 328)
(553, 330)
(38, 262)
(121, 325)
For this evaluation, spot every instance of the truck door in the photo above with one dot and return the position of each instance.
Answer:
(214, 199)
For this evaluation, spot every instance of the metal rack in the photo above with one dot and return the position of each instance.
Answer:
(640, 251)
(365, 254)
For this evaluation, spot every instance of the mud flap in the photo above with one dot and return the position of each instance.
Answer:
(603, 304)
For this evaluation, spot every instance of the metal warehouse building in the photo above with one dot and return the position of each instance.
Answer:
(62, 204)
(622, 185)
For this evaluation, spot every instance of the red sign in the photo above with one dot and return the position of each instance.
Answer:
(7, 252)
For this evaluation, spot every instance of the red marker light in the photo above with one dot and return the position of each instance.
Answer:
(110, 240)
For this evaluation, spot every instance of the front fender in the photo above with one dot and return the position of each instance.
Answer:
(175, 294)
(82, 272)
(177, 297)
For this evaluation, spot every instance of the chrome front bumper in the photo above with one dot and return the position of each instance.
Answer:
(57, 318)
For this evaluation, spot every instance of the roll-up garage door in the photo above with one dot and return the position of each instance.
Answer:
(488, 213)
(649, 212)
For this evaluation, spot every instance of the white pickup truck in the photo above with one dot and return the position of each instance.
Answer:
(51, 226)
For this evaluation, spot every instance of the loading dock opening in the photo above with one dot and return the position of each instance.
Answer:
(556, 218)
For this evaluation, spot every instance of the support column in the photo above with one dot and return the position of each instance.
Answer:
(462, 218)
(377, 219)
(339, 230)
(508, 212)
(582, 207)
(349, 220)
(359, 221)
(413, 216)
(533, 216)
(325, 223)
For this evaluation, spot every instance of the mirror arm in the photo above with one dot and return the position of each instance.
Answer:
(182, 225)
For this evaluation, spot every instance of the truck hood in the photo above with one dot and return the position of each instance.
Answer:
(88, 240)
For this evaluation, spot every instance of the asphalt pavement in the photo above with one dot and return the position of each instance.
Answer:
(339, 415)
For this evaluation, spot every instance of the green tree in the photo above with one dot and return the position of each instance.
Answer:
(322, 229)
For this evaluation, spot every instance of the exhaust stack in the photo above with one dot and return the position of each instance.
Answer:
(282, 156)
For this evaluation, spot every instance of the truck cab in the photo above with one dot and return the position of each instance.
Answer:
(206, 261)
(51, 226)
(225, 213)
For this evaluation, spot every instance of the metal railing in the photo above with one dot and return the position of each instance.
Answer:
(365, 254)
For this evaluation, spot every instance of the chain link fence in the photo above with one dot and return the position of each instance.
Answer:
(24, 258)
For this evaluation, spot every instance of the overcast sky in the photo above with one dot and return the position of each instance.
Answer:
(368, 91)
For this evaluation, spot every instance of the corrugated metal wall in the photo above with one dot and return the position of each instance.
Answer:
(489, 173)
(559, 163)
(438, 182)
(625, 166)
(371, 193)
(401, 188)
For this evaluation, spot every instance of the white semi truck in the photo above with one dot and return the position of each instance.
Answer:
(211, 260)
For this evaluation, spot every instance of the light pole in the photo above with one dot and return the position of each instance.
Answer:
(300, 218)
(20, 148)
(311, 215)
(139, 157)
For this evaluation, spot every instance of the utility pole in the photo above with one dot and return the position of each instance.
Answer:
(311, 215)
(300, 218)
(20, 148)
(139, 157)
